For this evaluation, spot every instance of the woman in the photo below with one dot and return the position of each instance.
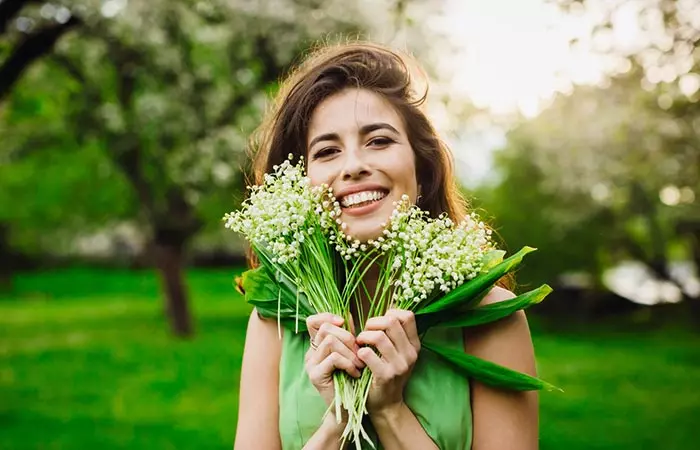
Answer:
(352, 112)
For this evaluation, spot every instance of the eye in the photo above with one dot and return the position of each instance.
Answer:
(381, 141)
(328, 151)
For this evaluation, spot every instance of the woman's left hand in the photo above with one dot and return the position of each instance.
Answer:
(395, 336)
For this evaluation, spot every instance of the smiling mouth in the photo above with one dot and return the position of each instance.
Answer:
(360, 199)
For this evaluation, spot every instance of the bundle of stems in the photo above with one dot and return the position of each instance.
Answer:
(295, 231)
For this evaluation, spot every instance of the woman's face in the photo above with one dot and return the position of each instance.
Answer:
(357, 144)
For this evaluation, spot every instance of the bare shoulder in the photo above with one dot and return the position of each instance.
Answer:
(502, 418)
(497, 294)
(265, 329)
(506, 341)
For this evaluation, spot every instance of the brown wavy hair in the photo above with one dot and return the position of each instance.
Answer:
(329, 69)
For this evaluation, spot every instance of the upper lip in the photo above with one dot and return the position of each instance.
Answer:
(359, 188)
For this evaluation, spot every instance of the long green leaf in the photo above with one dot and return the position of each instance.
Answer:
(257, 284)
(275, 272)
(470, 291)
(263, 292)
(492, 259)
(487, 372)
(495, 311)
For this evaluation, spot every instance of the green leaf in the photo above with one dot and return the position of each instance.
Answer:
(474, 289)
(263, 292)
(289, 289)
(487, 372)
(492, 259)
(258, 285)
(495, 311)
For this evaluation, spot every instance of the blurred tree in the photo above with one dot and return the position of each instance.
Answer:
(21, 44)
(165, 92)
(600, 175)
(661, 36)
(664, 60)
(31, 40)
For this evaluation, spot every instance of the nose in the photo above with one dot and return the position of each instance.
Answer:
(355, 166)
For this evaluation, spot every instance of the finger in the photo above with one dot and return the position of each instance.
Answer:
(336, 361)
(393, 328)
(314, 322)
(331, 344)
(343, 335)
(408, 322)
(381, 342)
(374, 363)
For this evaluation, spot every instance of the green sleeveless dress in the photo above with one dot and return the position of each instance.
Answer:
(437, 395)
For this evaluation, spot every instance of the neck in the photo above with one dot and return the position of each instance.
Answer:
(362, 302)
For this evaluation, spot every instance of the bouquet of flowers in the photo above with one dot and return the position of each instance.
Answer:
(438, 269)
(293, 228)
(441, 271)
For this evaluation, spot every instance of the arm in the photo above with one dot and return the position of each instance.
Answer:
(398, 428)
(503, 419)
(327, 436)
(258, 407)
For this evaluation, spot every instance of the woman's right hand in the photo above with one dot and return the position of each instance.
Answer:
(332, 348)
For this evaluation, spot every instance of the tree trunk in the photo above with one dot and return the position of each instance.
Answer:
(695, 246)
(6, 260)
(169, 261)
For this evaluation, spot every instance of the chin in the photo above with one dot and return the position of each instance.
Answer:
(364, 233)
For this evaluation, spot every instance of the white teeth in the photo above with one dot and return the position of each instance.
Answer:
(360, 197)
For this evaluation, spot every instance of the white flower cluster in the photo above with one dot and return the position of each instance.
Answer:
(282, 212)
(427, 256)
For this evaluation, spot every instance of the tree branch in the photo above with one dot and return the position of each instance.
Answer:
(9, 9)
(31, 49)
(271, 71)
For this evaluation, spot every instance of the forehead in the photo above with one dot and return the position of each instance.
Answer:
(350, 109)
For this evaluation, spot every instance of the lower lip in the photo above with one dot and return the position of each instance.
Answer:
(362, 210)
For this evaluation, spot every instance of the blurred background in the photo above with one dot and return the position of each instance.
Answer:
(575, 127)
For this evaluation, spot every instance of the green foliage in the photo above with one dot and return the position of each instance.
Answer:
(54, 183)
(525, 214)
(143, 114)
(584, 181)
(276, 300)
(496, 311)
(487, 372)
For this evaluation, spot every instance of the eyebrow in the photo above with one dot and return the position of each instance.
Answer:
(364, 130)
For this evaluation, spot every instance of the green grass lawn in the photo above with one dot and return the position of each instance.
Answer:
(86, 362)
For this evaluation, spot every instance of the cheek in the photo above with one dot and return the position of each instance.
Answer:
(317, 174)
(407, 174)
